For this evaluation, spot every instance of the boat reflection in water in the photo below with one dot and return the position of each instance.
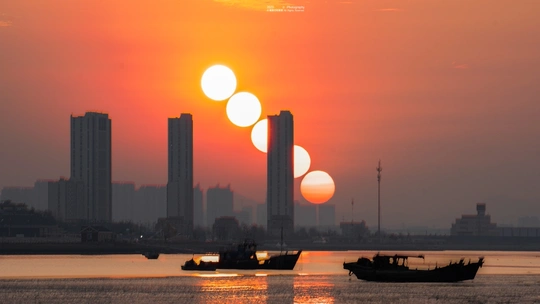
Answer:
(394, 268)
(245, 256)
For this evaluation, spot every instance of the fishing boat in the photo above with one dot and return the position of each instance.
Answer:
(245, 256)
(151, 255)
(394, 268)
(200, 266)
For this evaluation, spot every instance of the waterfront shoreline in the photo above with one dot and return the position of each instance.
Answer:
(201, 248)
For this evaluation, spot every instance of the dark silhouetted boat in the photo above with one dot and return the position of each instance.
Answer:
(151, 255)
(394, 268)
(244, 256)
(201, 266)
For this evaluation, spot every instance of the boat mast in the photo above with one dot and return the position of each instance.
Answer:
(281, 244)
(379, 169)
(352, 213)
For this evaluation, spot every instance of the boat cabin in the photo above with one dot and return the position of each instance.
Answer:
(392, 262)
(245, 251)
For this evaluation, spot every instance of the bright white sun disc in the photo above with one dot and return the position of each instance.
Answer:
(244, 109)
(218, 82)
(302, 161)
(259, 135)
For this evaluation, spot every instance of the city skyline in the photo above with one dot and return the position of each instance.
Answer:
(444, 94)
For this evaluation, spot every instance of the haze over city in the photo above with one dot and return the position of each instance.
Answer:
(445, 93)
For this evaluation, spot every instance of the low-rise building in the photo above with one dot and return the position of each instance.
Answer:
(96, 234)
(17, 220)
(475, 225)
(519, 231)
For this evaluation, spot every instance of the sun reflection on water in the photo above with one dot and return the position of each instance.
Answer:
(244, 289)
(313, 289)
(215, 275)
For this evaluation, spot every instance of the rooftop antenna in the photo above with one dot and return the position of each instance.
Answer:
(281, 243)
(379, 169)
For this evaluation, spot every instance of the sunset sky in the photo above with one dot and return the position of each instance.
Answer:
(446, 93)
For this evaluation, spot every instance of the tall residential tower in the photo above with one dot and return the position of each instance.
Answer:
(91, 164)
(280, 174)
(180, 173)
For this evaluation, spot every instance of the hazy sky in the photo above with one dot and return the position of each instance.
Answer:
(445, 92)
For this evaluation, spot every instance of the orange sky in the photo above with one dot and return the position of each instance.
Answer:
(444, 92)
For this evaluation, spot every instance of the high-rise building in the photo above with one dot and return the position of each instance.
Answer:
(198, 213)
(280, 178)
(91, 163)
(219, 202)
(180, 172)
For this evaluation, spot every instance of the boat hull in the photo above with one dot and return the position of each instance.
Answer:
(279, 262)
(151, 255)
(199, 268)
(450, 273)
(244, 256)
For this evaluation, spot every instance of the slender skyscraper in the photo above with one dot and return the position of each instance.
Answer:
(180, 177)
(280, 178)
(91, 164)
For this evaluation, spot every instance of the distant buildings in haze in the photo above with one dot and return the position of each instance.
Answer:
(198, 208)
(480, 225)
(327, 216)
(219, 202)
(90, 195)
(305, 215)
(261, 218)
(34, 197)
(67, 199)
(124, 201)
(474, 225)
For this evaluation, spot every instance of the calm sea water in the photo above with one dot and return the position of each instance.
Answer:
(507, 277)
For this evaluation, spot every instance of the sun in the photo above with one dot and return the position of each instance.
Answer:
(302, 161)
(317, 187)
(259, 135)
(218, 82)
(244, 109)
